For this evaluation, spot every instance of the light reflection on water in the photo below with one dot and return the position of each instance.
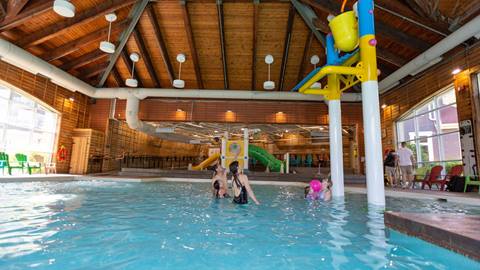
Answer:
(178, 226)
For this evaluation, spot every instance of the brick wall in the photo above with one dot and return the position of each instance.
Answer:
(74, 114)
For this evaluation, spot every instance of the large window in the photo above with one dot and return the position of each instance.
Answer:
(431, 132)
(26, 126)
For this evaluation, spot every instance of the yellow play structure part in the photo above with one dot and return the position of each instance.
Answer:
(345, 31)
(206, 162)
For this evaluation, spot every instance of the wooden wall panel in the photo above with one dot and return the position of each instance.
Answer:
(74, 114)
(403, 98)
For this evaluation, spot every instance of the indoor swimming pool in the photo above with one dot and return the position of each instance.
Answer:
(111, 225)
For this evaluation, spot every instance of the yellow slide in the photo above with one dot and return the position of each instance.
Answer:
(206, 162)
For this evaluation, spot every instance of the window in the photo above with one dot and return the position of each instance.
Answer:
(26, 126)
(431, 132)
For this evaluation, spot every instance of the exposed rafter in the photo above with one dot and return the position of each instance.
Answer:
(309, 17)
(222, 42)
(137, 36)
(33, 10)
(84, 60)
(64, 26)
(77, 44)
(256, 8)
(333, 7)
(191, 43)
(390, 57)
(286, 46)
(306, 53)
(401, 10)
(93, 71)
(117, 77)
(160, 42)
(14, 7)
(134, 16)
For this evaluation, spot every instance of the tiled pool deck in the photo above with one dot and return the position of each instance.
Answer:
(460, 233)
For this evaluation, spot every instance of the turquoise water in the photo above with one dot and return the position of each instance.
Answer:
(103, 225)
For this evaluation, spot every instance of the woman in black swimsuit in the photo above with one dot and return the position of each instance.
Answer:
(241, 186)
(219, 183)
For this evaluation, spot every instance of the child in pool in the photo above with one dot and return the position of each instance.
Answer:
(314, 190)
(327, 189)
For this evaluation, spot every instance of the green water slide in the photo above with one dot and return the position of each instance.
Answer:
(264, 157)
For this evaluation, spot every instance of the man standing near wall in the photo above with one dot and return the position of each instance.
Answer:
(406, 161)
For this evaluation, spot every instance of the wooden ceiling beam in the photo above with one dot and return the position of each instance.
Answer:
(222, 42)
(390, 57)
(160, 42)
(33, 10)
(306, 53)
(333, 7)
(137, 36)
(191, 43)
(117, 77)
(15, 6)
(256, 8)
(134, 17)
(64, 26)
(93, 71)
(77, 44)
(84, 60)
(286, 46)
(399, 9)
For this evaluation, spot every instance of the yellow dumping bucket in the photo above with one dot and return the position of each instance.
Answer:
(345, 31)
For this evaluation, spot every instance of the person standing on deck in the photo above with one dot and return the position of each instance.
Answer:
(406, 161)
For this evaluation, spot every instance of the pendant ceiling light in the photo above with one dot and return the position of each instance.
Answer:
(132, 82)
(179, 83)
(269, 85)
(107, 46)
(314, 60)
(64, 8)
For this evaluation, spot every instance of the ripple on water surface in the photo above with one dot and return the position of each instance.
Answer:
(108, 225)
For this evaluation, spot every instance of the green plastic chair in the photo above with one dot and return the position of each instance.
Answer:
(4, 162)
(469, 182)
(24, 163)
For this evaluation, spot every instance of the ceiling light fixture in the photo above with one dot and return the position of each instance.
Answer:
(107, 46)
(384, 106)
(179, 110)
(269, 85)
(179, 83)
(456, 71)
(132, 82)
(314, 60)
(64, 8)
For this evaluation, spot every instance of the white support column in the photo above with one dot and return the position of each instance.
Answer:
(373, 143)
(336, 147)
(223, 150)
(245, 149)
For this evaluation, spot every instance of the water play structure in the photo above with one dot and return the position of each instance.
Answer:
(351, 60)
(241, 151)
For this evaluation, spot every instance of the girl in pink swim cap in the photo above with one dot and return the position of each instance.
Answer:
(315, 191)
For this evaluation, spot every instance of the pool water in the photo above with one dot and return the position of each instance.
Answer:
(109, 225)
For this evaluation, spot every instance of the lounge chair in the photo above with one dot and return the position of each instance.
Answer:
(456, 170)
(3, 162)
(427, 179)
(25, 164)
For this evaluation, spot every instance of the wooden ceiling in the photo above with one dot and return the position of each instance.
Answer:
(225, 41)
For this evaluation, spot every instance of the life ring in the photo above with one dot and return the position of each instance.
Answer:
(62, 153)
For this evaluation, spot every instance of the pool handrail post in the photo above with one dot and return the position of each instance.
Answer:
(371, 104)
